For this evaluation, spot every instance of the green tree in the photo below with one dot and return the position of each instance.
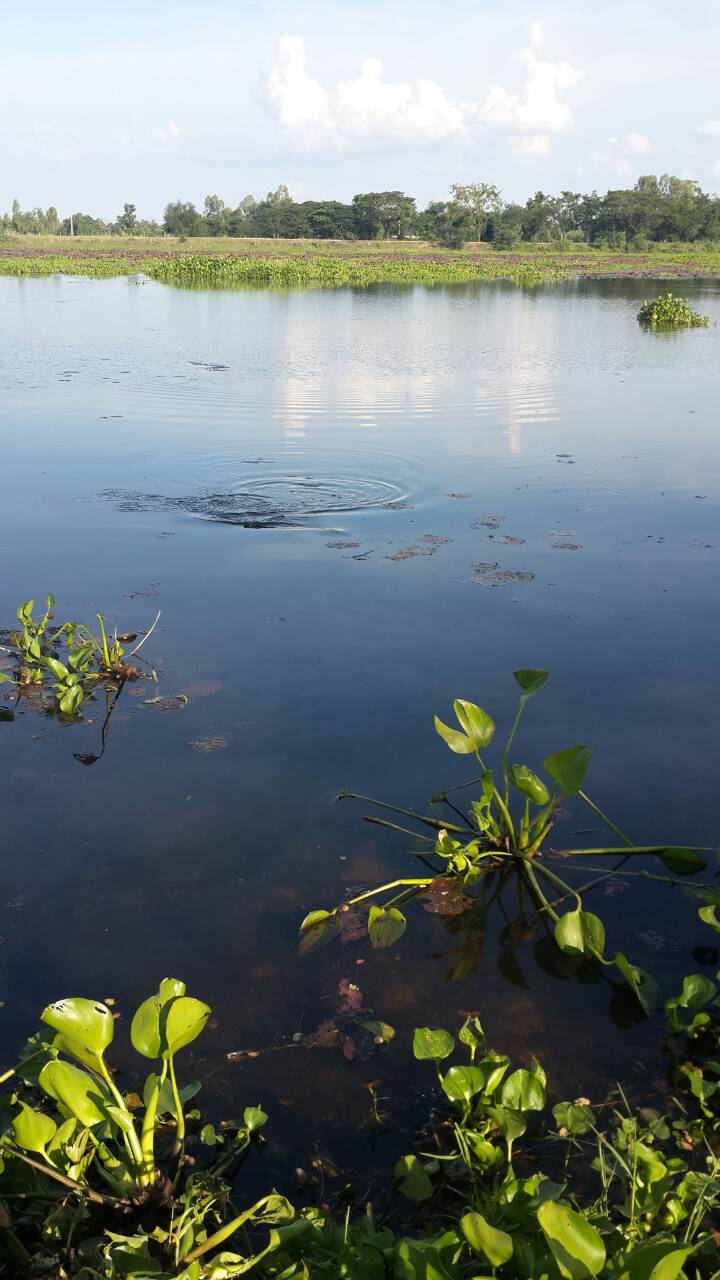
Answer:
(126, 222)
(216, 216)
(477, 200)
(182, 219)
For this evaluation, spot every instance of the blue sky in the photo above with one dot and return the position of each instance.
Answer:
(104, 103)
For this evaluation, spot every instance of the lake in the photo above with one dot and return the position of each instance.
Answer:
(351, 507)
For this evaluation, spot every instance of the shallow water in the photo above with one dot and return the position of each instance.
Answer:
(351, 507)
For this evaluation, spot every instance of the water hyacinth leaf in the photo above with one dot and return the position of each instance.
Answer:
(5, 679)
(580, 933)
(697, 991)
(415, 1260)
(575, 1244)
(58, 669)
(643, 985)
(380, 1031)
(385, 926)
(457, 742)
(85, 1022)
(661, 1260)
(523, 1091)
(432, 1046)
(471, 1034)
(530, 680)
(317, 928)
(682, 862)
(80, 1093)
(460, 1084)
(496, 1245)
(186, 1018)
(411, 1179)
(476, 723)
(146, 1031)
(568, 767)
(708, 915)
(510, 1123)
(254, 1118)
(33, 1130)
(165, 1100)
(573, 1117)
(528, 783)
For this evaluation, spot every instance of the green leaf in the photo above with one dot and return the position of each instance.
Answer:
(528, 783)
(460, 1084)
(85, 1025)
(432, 1046)
(457, 742)
(472, 1034)
(417, 1260)
(70, 699)
(661, 1260)
(475, 722)
(412, 1180)
(385, 926)
(317, 928)
(186, 1018)
(580, 933)
(644, 986)
(76, 1090)
(708, 915)
(496, 1245)
(530, 680)
(58, 669)
(33, 1130)
(25, 611)
(254, 1118)
(682, 862)
(523, 1091)
(568, 767)
(147, 1031)
(576, 1245)
(574, 1117)
(5, 679)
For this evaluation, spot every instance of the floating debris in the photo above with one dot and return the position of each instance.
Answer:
(206, 745)
(408, 553)
(488, 522)
(491, 575)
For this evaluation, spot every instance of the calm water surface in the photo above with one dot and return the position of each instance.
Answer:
(306, 484)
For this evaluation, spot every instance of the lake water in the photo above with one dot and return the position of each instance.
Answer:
(351, 507)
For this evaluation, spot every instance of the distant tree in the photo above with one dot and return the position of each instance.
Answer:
(387, 215)
(216, 216)
(447, 222)
(478, 200)
(126, 221)
(505, 227)
(182, 219)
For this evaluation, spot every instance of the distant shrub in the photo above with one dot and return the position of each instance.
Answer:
(667, 311)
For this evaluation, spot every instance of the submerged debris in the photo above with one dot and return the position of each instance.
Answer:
(491, 575)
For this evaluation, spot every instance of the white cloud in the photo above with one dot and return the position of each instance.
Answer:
(168, 133)
(711, 128)
(370, 106)
(538, 107)
(617, 153)
(530, 144)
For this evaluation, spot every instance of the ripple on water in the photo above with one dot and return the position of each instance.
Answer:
(270, 502)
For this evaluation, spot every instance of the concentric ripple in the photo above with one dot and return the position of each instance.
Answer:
(271, 502)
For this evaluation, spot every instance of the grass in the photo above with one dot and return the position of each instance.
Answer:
(225, 262)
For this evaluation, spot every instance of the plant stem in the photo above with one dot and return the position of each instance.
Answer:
(392, 884)
(562, 884)
(608, 822)
(407, 813)
(129, 1134)
(145, 637)
(530, 873)
(230, 1227)
(96, 1196)
(180, 1133)
(508, 744)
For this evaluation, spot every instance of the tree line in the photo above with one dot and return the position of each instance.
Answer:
(654, 209)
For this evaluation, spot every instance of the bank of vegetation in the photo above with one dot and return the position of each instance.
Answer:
(654, 210)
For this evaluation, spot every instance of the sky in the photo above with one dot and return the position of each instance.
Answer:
(103, 103)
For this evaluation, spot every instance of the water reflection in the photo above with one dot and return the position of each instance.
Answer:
(596, 449)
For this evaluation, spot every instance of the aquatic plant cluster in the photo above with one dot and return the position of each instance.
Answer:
(494, 840)
(97, 1183)
(33, 652)
(668, 311)
(223, 263)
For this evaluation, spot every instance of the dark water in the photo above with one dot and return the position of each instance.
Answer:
(302, 483)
